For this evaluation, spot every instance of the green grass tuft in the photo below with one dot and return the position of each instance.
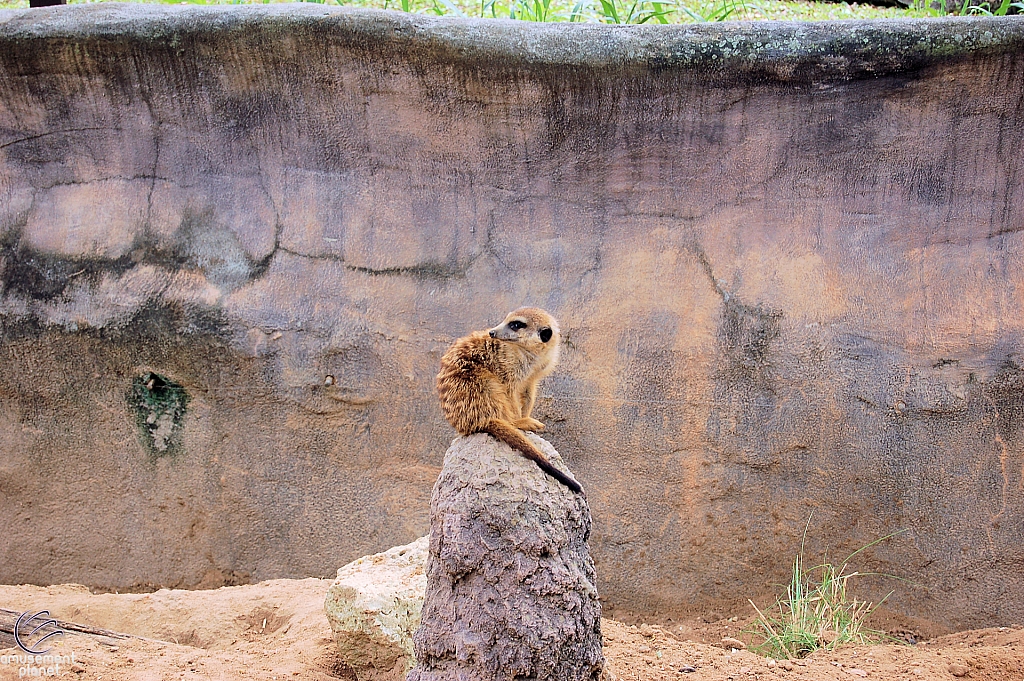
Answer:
(818, 612)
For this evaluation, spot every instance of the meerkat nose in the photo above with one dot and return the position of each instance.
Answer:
(491, 333)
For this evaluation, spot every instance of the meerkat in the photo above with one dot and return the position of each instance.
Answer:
(488, 382)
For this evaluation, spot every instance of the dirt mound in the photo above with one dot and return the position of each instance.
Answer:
(277, 630)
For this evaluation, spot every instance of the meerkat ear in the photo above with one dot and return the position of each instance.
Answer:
(545, 335)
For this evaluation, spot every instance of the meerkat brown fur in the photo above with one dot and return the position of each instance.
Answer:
(488, 382)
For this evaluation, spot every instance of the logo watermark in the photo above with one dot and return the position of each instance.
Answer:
(30, 632)
(33, 633)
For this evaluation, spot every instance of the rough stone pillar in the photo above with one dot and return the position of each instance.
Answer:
(511, 587)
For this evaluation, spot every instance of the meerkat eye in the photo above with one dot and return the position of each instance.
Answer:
(515, 325)
(545, 335)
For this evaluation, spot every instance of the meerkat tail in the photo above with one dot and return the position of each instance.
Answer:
(515, 439)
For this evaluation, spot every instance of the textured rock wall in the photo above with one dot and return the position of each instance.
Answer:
(786, 258)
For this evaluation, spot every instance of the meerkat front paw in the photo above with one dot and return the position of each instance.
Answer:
(530, 424)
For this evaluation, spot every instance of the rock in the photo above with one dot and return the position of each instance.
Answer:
(511, 587)
(374, 608)
(787, 665)
(730, 642)
(958, 670)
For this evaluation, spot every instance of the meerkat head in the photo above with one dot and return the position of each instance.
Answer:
(529, 326)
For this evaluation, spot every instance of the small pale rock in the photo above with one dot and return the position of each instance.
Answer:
(857, 672)
(958, 670)
(374, 607)
(771, 663)
(645, 630)
(643, 649)
(730, 642)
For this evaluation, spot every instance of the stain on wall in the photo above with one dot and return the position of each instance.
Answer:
(159, 405)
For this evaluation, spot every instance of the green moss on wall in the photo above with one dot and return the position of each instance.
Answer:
(159, 405)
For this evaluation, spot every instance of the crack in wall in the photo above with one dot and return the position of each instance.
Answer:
(702, 258)
(123, 178)
(31, 138)
(433, 271)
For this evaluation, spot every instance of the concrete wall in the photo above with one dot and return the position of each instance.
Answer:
(787, 259)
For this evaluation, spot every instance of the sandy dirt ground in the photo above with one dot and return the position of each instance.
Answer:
(277, 630)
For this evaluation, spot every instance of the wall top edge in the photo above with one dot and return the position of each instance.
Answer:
(775, 50)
